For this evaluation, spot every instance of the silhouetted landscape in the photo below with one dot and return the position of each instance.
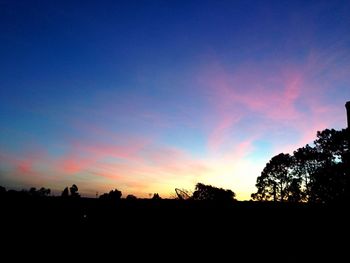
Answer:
(214, 224)
(300, 197)
(314, 177)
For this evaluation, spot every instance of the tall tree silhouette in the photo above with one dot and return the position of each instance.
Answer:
(273, 184)
(318, 173)
(331, 181)
(294, 192)
(306, 163)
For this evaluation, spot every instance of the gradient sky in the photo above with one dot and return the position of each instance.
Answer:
(146, 96)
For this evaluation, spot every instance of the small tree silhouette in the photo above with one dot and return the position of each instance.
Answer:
(65, 192)
(74, 191)
(112, 195)
(156, 197)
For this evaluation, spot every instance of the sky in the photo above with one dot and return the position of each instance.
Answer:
(149, 96)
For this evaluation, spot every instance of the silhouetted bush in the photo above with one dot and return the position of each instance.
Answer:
(131, 197)
(112, 195)
(72, 192)
(156, 197)
(211, 193)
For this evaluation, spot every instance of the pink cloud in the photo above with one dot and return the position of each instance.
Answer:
(73, 166)
(21, 169)
(135, 160)
(221, 131)
(249, 87)
(24, 166)
(240, 150)
(273, 96)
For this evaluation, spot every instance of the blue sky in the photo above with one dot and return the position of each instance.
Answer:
(146, 96)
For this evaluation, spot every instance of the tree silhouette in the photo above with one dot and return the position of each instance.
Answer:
(156, 197)
(65, 192)
(115, 194)
(275, 179)
(305, 166)
(44, 191)
(314, 174)
(74, 191)
(38, 193)
(294, 192)
(32, 191)
(112, 195)
(331, 180)
(211, 193)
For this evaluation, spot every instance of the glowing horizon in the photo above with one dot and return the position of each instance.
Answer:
(163, 96)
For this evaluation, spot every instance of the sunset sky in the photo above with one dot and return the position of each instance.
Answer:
(148, 96)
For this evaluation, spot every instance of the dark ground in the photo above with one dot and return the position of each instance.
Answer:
(241, 231)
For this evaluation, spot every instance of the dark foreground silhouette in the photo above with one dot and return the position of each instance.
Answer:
(302, 215)
(263, 229)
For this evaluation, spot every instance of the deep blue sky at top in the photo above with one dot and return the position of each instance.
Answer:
(95, 44)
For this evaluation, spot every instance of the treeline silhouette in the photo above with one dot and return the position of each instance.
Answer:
(202, 193)
(299, 213)
(316, 174)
